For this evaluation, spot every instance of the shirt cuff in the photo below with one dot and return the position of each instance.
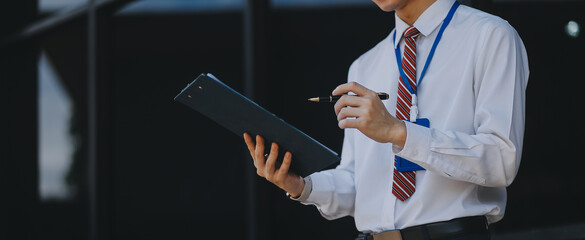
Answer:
(306, 190)
(417, 145)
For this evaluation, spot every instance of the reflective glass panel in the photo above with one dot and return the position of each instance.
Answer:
(178, 6)
(47, 6)
(56, 144)
(318, 3)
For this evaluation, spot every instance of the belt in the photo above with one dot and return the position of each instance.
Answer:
(439, 230)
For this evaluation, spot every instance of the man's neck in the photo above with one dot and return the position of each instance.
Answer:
(410, 12)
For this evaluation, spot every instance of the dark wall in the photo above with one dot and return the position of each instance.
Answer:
(18, 125)
(177, 174)
(550, 181)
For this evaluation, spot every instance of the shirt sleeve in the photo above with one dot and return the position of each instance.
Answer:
(333, 191)
(490, 156)
(306, 190)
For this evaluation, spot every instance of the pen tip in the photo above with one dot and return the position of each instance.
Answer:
(315, 99)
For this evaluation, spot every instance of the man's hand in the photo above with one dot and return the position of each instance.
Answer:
(266, 167)
(367, 113)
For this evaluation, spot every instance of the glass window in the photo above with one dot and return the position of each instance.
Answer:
(56, 143)
(49, 6)
(178, 6)
(318, 3)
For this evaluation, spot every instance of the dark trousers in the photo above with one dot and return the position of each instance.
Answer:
(475, 236)
(467, 228)
(485, 236)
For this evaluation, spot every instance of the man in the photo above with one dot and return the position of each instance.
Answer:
(475, 72)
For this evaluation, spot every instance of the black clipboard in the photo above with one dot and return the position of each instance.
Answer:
(214, 99)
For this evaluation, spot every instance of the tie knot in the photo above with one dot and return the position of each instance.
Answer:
(411, 32)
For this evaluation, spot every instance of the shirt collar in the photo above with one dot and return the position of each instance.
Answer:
(428, 21)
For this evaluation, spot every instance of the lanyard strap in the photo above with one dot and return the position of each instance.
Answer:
(431, 54)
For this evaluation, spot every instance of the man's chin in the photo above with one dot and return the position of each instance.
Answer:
(385, 7)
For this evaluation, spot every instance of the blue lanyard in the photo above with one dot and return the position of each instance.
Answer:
(439, 35)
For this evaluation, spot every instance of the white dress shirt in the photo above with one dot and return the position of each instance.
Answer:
(474, 95)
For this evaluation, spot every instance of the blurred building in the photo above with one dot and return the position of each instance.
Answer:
(93, 146)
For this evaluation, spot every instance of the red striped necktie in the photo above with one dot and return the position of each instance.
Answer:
(403, 185)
